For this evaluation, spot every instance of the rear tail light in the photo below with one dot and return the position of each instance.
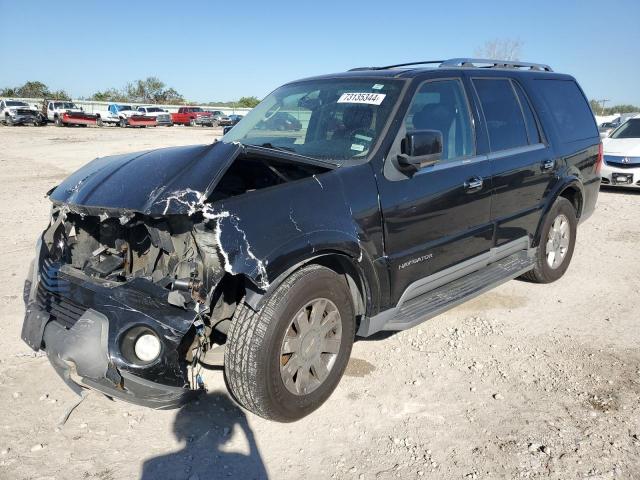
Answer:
(600, 157)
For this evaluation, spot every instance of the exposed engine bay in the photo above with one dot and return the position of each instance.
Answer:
(176, 258)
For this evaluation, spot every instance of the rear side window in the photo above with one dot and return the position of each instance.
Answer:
(569, 109)
(530, 119)
(502, 113)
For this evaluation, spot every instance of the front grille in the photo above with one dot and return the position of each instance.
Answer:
(164, 118)
(623, 165)
(24, 111)
(51, 296)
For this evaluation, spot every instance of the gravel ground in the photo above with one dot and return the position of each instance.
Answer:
(526, 381)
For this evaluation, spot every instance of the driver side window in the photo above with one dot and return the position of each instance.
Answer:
(441, 105)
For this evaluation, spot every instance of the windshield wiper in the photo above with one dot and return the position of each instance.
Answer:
(277, 147)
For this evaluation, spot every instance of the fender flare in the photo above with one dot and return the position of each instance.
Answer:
(570, 183)
(359, 282)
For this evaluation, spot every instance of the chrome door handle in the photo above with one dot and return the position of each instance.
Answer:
(548, 165)
(473, 184)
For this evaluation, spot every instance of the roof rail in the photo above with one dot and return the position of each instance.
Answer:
(492, 63)
(467, 63)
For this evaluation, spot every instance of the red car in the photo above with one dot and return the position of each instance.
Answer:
(192, 116)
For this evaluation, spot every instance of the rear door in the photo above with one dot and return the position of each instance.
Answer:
(522, 163)
(438, 216)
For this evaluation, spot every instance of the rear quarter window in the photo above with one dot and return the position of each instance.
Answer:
(569, 109)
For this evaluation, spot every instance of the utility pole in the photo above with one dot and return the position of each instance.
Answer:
(602, 103)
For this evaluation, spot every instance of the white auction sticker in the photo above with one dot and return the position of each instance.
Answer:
(368, 98)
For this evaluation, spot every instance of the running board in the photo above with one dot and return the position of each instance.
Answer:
(441, 299)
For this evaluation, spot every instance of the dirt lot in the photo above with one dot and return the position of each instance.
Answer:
(527, 381)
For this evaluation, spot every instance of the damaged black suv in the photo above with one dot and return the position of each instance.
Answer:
(406, 190)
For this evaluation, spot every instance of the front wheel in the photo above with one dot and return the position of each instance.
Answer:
(123, 122)
(557, 241)
(59, 122)
(285, 360)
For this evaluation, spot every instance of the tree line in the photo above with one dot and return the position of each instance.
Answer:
(599, 109)
(148, 90)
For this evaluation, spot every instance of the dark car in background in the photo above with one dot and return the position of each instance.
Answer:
(397, 193)
(282, 121)
(235, 119)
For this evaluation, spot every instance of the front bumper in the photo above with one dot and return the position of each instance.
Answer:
(204, 121)
(22, 119)
(85, 351)
(610, 173)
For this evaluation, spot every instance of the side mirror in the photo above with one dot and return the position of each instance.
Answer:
(421, 148)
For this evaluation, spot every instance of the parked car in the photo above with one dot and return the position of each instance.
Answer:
(622, 156)
(607, 127)
(235, 119)
(220, 118)
(65, 113)
(14, 112)
(281, 121)
(410, 191)
(193, 116)
(163, 117)
(124, 116)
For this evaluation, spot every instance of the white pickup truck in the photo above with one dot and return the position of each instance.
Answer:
(123, 115)
(15, 112)
(64, 113)
(162, 116)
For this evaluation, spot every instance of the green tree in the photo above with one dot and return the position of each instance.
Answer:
(247, 102)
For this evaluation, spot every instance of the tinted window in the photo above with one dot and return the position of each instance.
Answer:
(530, 119)
(569, 109)
(502, 113)
(629, 129)
(442, 106)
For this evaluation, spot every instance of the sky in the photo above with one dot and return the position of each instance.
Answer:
(224, 50)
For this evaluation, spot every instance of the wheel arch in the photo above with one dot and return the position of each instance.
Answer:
(339, 262)
(573, 191)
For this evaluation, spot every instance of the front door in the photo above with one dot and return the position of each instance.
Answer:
(439, 215)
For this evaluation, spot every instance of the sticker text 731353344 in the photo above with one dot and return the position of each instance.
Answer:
(368, 98)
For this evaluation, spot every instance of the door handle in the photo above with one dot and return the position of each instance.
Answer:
(473, 184)
(548, 165)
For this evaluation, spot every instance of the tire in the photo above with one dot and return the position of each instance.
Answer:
(99, 122)
(10, 121)
(192, 122)
(253, 359)
(58, 121)
(123, 122)
(551, 237)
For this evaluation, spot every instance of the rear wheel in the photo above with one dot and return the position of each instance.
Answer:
(557, 241)
(285, 360)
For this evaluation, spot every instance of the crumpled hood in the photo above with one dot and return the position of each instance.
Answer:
(626, 147)
(156, 182)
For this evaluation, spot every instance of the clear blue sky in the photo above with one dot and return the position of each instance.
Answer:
(224, 50)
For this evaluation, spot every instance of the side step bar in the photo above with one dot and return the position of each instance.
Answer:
(441, 299)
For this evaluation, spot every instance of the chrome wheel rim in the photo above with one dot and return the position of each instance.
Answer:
(310, 346)
(558, 241)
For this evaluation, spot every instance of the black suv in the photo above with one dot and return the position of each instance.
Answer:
(407, 190)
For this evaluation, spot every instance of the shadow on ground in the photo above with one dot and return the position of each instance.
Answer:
(218, 443)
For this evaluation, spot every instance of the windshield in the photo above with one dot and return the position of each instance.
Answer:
(65, 105)
(337, 119)
(154, 109)
(629, 129)
(16, 104)
(124, 107)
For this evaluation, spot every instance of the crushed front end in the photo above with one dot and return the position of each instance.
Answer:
(118, 304)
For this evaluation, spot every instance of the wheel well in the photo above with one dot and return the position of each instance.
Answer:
(574, 195)
(231, 290)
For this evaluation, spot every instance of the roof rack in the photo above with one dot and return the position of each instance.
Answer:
(468, 63)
